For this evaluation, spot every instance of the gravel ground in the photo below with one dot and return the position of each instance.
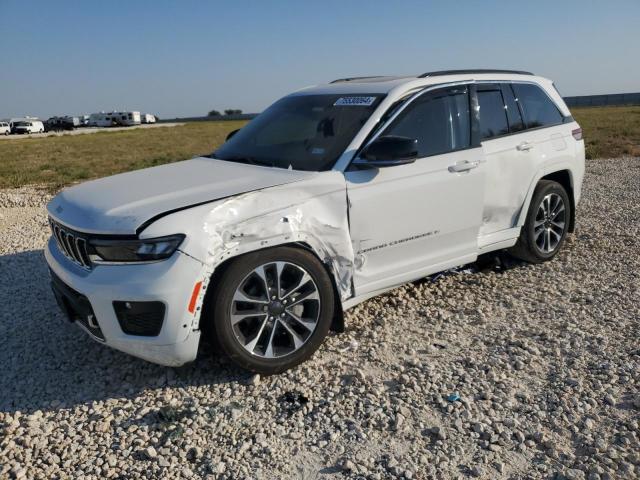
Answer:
(515, 371)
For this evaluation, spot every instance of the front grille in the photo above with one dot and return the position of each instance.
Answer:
(72, 244)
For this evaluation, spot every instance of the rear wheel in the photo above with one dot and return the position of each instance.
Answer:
(546, 225)
(272, 309)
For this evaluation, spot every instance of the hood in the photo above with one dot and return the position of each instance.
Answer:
(122, 203)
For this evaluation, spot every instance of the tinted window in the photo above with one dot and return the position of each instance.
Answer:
(493, 117)
(438, 120)
(513, 112)
(302, 132)
(538, 109)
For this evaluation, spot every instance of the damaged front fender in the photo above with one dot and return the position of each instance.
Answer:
(312, 211)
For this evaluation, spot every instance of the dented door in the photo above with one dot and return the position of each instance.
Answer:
(511, 162)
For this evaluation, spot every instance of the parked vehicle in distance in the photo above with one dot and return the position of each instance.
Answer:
(147, 118)
(128, 118)
(26, 125)
(114, 119)
(5, 129)
(57, 124)
(101, 119)
(332, 195)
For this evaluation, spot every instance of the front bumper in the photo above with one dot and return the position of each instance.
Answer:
(170, 281)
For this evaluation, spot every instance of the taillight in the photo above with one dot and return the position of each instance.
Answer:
(577, 133)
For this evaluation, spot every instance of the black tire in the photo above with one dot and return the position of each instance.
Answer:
(222, 300)
(527, 248)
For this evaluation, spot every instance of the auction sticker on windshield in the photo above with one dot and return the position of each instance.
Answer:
(355, 101)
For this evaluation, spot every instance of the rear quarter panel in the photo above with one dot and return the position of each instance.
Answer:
(560, 152)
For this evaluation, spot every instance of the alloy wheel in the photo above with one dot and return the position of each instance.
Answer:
(550, 223)
(275, 309)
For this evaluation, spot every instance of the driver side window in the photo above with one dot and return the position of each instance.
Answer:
(439, 120)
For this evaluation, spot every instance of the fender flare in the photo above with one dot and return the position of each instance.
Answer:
(540, 174)
(297, 240)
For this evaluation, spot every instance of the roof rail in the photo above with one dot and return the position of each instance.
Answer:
(351, 79)
(476, 70)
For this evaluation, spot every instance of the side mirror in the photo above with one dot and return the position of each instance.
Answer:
(388, 151)
(231, 134)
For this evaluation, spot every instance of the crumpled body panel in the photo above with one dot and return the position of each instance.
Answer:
(312, 212)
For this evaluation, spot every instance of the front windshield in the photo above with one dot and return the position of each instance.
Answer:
(301, 132)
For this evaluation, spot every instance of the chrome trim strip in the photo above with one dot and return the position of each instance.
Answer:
(71, 245)
(81, 246)
(96, 338)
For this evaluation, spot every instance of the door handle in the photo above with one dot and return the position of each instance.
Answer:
(524, 146)
(463, 166)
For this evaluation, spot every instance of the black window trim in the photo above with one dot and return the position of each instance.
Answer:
(490, 86)
(508, 88)
(509, 85)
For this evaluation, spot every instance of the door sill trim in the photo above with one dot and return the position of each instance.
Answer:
(489, 241)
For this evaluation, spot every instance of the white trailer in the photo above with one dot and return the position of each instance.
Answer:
(101, 119)
(127, 118)
(114, 119)
(148, 118)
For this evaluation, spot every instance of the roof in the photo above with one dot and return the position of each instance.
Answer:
(380, 85)
(384, 84)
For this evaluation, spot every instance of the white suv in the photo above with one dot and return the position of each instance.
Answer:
(334, 194)
(5, 128)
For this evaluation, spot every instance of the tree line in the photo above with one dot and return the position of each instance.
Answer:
(228, 111)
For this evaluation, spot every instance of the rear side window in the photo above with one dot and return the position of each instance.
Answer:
(492, 115)
(538, 109)
(439, 120)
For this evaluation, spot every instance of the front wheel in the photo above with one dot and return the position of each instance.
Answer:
(546, 225)
(272, 309)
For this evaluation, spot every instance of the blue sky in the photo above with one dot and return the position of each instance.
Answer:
(185, 58)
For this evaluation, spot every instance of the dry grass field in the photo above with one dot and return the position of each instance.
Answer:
(57, 161)
(610, 131)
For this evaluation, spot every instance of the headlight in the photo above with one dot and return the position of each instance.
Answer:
(147, 250)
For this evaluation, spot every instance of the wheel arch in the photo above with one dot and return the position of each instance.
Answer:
(337, 324)
(562, 176)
